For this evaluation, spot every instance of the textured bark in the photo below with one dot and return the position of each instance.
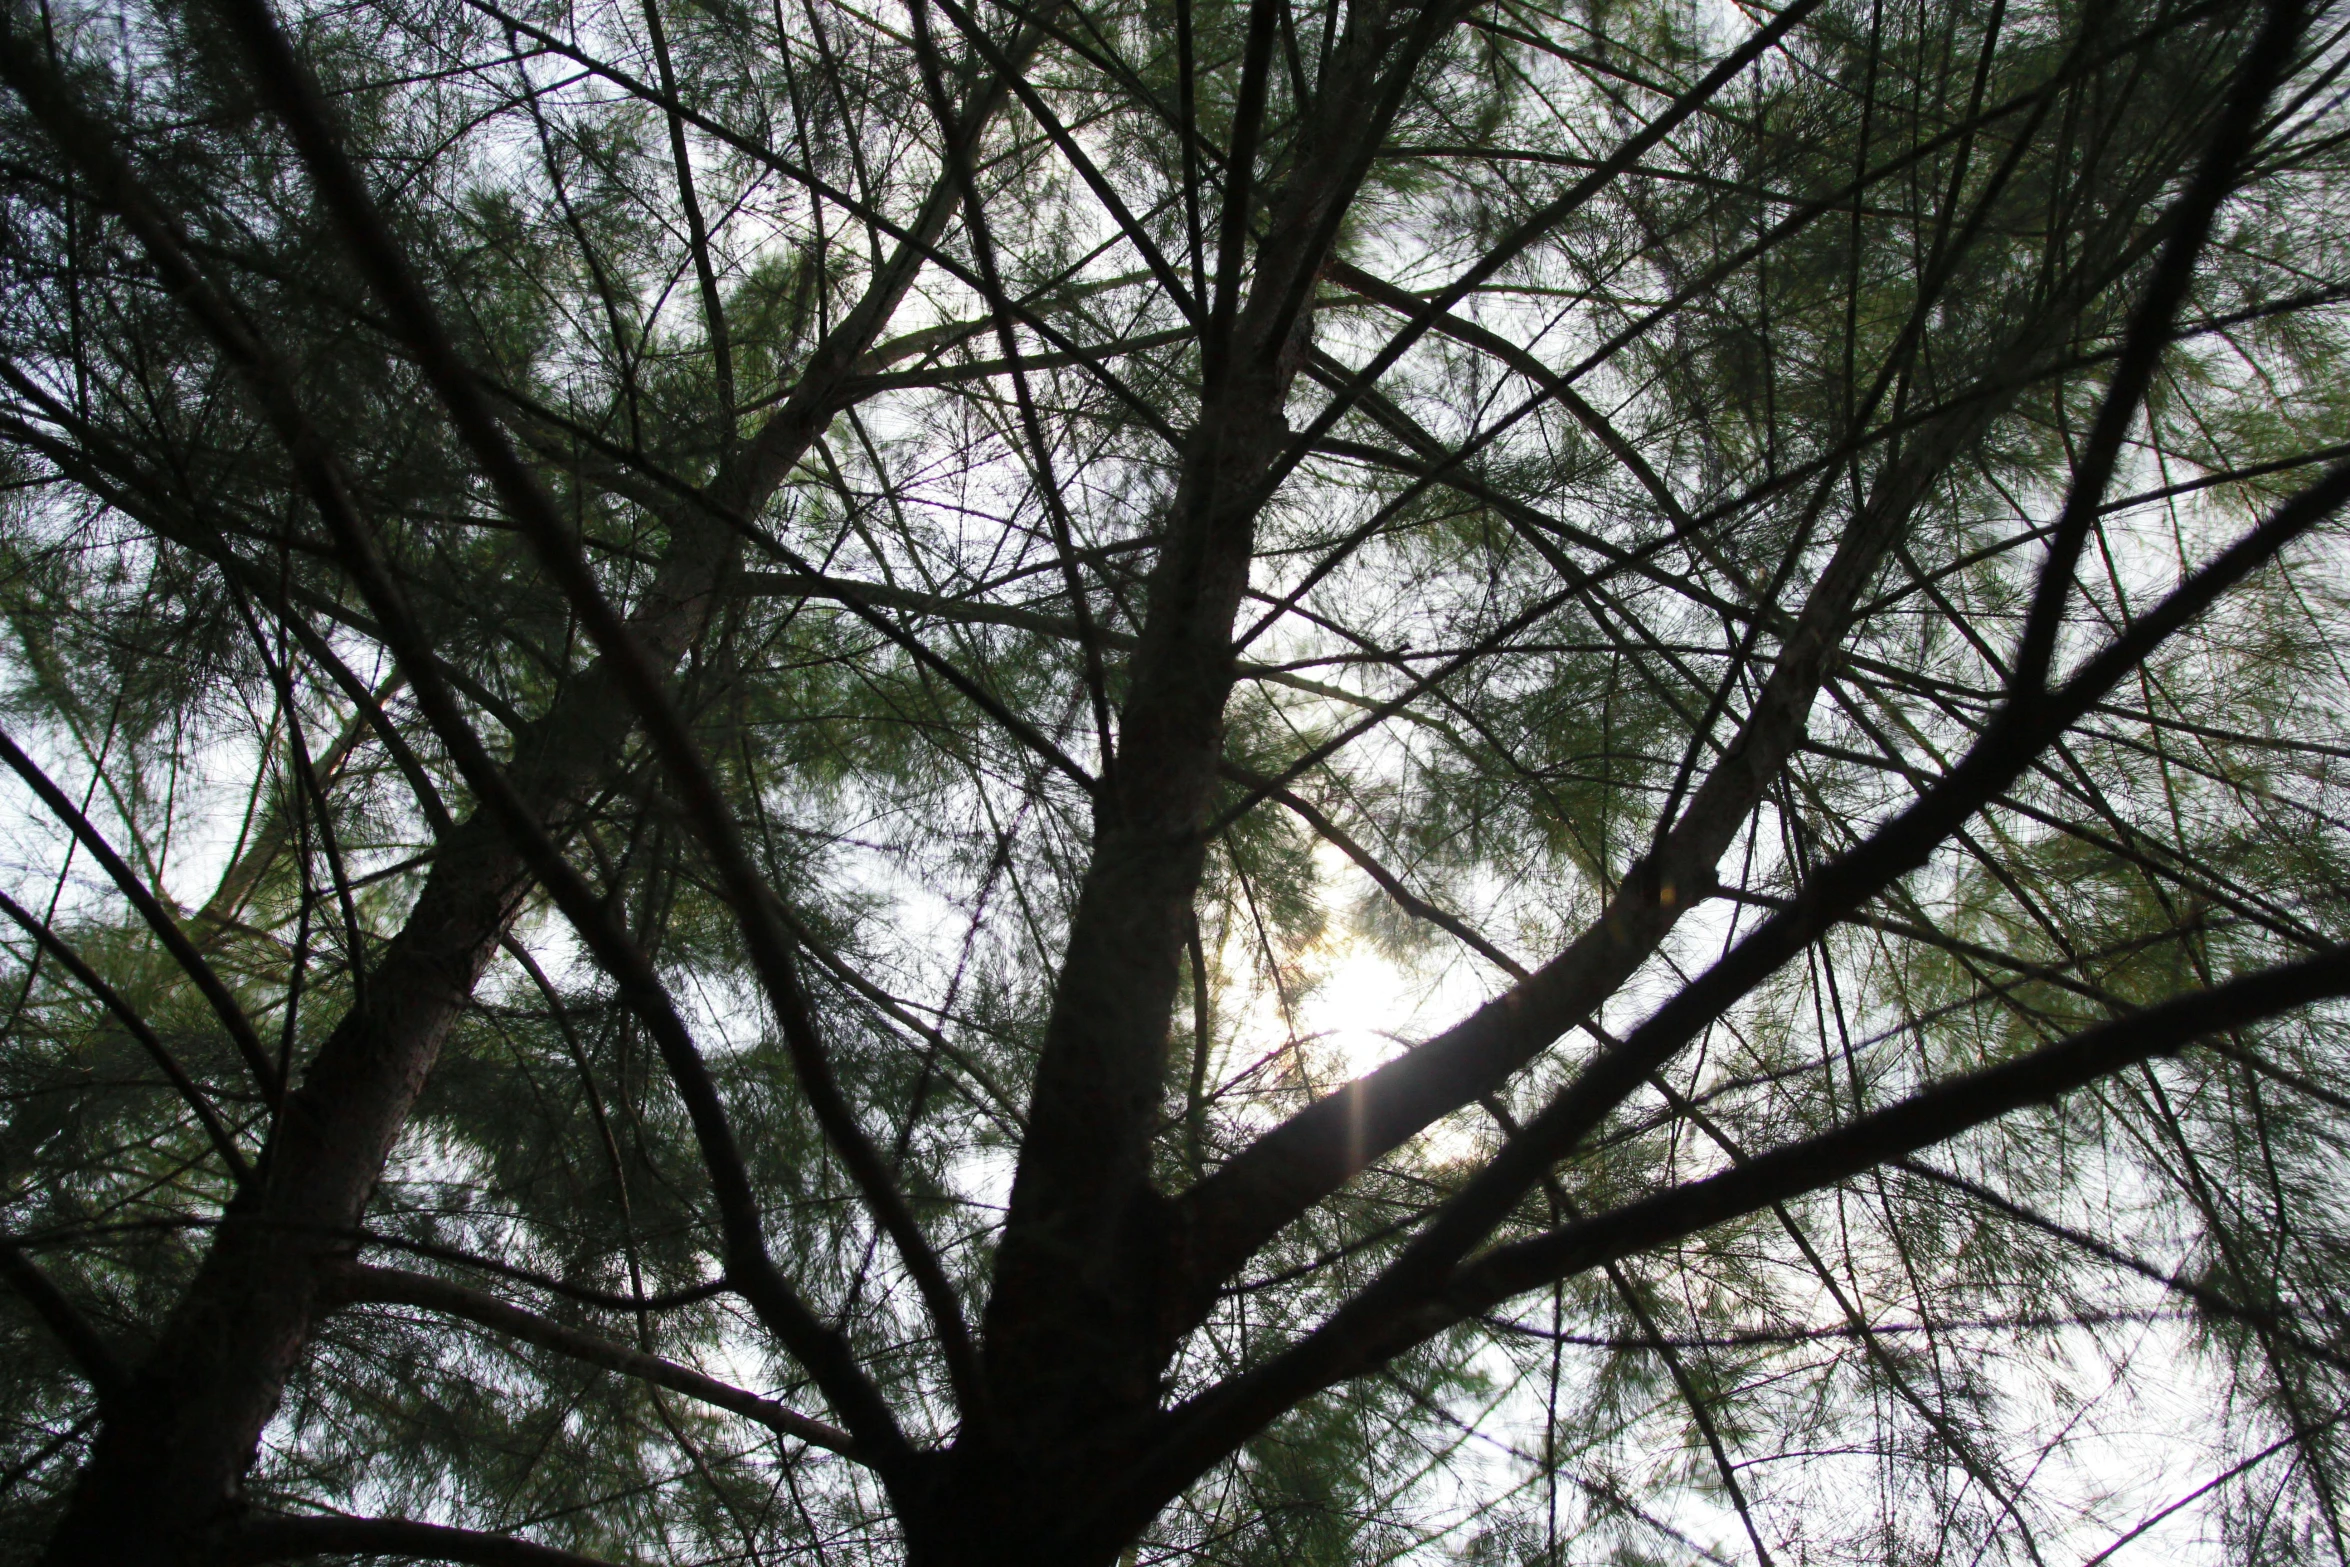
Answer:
(1065, 1452)
(1079, 1327)
(164, 1471)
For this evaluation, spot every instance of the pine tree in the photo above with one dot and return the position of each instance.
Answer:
(705, 705)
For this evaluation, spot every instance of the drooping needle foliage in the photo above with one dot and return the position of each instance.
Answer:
(1084, 781)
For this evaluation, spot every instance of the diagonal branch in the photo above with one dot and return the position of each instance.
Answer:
(820, 1348)
(1390, 883)
(400, 1287)
(1542, 221)
(2190, 223)
(281, 1538)
(2007, 748)
(107, 1376)
(1933, 1115)
(136, 1026)
(159, 920)
(918, 239)
(1365, 1333)
(294, 96)
(1241, 1206)
(1107, 194)
(959, 156)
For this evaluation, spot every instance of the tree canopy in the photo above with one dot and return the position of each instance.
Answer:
(1085, 781)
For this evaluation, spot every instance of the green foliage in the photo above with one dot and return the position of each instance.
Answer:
(1508, 636)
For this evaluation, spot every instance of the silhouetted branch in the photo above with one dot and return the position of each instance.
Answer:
(285, 1538)
(287, 84)
(107, 1376)
(397, 1287)
(159, 920)
(136, 1026)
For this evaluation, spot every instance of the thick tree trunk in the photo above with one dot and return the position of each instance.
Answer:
(1085, 1313)
(164, 1472)
(170, 1459)
(1071, 1330)
(168, 1463)
(986, 1504)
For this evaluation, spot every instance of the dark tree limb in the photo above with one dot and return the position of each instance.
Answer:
(399, 1287)
(1078, 1322)
(1391, 884)
(602, 1300)
(100, 1367)
(2008, 746)
(1367, 1332)
(1531, 229)
(216, 1377)
(285, 1538)
(2190, 223)
(294, 96)
(1245, 1202)
(159, 919)
(223, 1141)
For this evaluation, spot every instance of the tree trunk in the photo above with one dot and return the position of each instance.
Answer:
(981, 1504)
(1085, 1311)
(164, 1472)
(168, 1462)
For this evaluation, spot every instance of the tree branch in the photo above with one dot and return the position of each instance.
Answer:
(1369, 1330)
(818, 1347)
(282, 1538)
(287, 85)
(106, 1374)
(159, 920)
(136, 1026)
(400, 1287)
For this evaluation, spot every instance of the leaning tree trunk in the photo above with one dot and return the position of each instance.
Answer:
(166, 1468)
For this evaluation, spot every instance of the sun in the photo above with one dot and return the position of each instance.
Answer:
(1367, 1008)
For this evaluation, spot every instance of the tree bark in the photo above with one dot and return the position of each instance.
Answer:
(1079, 1327)
(1243, 1204)
(163, 1475)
